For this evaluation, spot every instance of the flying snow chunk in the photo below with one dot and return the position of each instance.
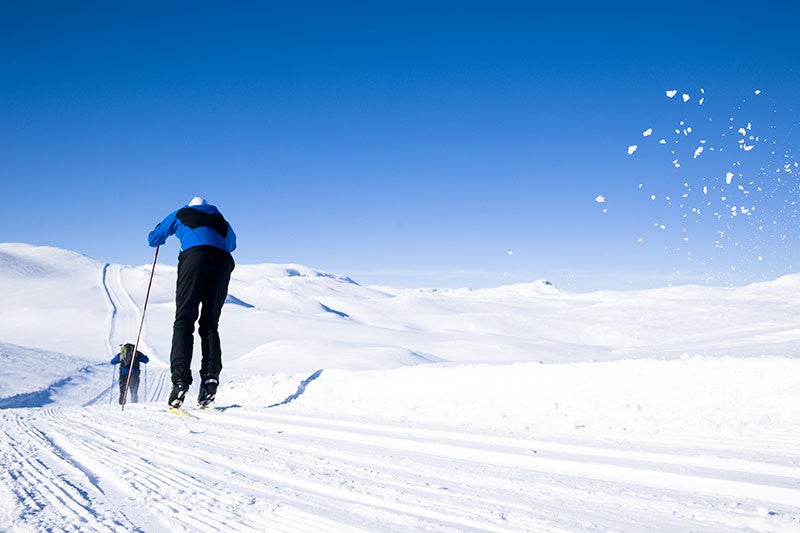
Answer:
(698, 152)
(758, 91)
(728, 177)
(511, 252)
(685, 97)
(671, 94)
(632, 148)
(648, 132)
(600, 199)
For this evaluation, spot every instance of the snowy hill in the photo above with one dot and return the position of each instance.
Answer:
(346, 407)
(61, 301)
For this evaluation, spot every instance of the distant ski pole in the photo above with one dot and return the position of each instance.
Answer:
(141, 325)
(113, 382)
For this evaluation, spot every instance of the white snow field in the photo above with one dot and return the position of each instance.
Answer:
(353, 408)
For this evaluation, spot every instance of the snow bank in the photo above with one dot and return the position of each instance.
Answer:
(700, 396)
(31, 377)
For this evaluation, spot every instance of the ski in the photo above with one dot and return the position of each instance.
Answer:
(185, 411)
(180, 412)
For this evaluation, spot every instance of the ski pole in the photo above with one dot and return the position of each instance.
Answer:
(141, 325)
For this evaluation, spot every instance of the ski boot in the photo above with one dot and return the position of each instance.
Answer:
(208, 391)
(177, 395)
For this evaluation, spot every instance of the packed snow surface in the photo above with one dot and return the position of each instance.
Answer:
(352, 408)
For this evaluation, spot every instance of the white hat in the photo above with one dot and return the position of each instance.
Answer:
(197, 200)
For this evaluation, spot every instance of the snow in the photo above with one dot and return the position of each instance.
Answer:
(631, 149)
(761, 184)
(352, 408)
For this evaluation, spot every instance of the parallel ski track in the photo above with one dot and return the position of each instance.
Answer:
(52, 491)
(137, 317)
(124, 313)
(159, 385)
(123, 325)
(256, 469)
(113, 307)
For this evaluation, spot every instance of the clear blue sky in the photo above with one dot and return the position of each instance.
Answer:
(412, 143)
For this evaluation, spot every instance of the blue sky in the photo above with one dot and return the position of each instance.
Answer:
(440, 144)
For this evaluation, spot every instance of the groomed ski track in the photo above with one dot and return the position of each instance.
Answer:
(122, 323)
(124, 313)
(256, 469)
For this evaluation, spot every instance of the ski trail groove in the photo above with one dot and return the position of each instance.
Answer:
(122, 325)
(205, 495)
(171, 492)
(50, 488)
(256, 469)
(113, 306)
(763, 480)
(272, 474)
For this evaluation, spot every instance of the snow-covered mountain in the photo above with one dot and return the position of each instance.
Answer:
(347, 407)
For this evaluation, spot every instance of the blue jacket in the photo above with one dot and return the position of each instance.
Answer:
(200, 225)
(125, 369)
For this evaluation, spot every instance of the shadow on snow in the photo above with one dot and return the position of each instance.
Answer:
(300, 389)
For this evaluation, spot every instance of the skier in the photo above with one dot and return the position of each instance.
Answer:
(123, 358)
(204, 271)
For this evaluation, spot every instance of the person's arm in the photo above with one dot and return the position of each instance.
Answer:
(115, 360)
(143, 358)
(164, 229)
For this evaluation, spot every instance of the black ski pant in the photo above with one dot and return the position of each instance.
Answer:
(204, 273)
(133, 387)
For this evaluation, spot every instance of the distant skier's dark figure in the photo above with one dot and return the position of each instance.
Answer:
(204, 271)
(123, 358)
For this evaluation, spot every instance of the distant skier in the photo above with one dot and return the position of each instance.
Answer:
(123, 359)
(204, 271)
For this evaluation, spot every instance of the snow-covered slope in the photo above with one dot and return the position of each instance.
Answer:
(284, 318)
(52, 299)
(352, 408)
